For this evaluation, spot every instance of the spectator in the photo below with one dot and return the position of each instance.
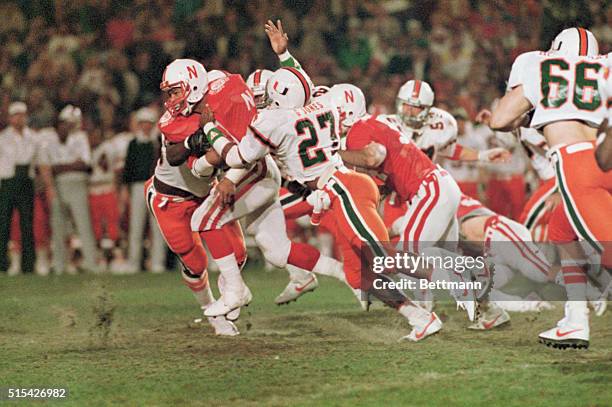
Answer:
(69, 155)
(103, 200)
(19, 155)
(142, 154)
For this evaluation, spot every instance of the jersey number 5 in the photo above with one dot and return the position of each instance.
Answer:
(555, 88)
(310, 154)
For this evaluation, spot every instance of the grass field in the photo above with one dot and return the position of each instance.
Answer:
(321, 350)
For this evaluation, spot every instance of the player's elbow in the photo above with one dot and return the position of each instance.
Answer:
(375, 155)
(499, 122)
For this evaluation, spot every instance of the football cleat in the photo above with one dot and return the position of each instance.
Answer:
(296, 288)
(234, 314)
(599, 306)
(423, 326)
(223, 327)
(465, 298)
(494, 316)
(572, 331)
(229, 302)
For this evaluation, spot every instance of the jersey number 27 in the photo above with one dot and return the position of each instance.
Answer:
(309, 150)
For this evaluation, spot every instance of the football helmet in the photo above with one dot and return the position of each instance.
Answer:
(417, 94)
(575, 41)
(190, 78)
(320, 91)
(257, 82)
(288, 88)
(350, 101)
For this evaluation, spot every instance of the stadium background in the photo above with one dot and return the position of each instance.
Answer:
(125, 339)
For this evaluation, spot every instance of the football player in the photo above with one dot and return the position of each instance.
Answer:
(379, 148)
(305, 139)
(561, 89)
(173, 193)
(432, 129)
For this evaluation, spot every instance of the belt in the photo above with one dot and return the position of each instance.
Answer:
(166, 189)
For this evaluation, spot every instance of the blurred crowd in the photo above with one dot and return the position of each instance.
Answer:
(105, 59)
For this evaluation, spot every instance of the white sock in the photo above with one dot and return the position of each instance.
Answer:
(327, 266)
(228, 266)
(204, 296)
(296, 273)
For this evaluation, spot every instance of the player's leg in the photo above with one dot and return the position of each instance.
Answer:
(173, 220)
(535, 208)
(586, 193)
(354, 205)
(431, 215)
(509, 243)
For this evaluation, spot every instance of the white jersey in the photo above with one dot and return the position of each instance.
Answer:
(536, 147)
(105, 160)
(560, 87)
(305, 141)
(75, 148)
(437, 136)
(604, 81)
(181, 176)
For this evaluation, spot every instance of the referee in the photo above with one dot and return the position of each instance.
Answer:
(19, 149)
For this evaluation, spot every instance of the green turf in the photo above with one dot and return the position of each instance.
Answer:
(321, 350)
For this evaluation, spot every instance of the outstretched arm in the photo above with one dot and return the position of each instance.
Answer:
(279, 41)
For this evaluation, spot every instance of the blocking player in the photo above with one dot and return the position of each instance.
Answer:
(560, 87)
(252, 196)
(173, 193)
(306, 140)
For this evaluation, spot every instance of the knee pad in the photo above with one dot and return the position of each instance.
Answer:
(274, 248)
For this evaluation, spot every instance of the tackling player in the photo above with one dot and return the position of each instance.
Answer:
(560, 87)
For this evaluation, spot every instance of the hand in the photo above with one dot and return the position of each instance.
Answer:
(276, 35)
(198, 143)
(207, 115)
(495, 155)
(484, 117)
(226, 190)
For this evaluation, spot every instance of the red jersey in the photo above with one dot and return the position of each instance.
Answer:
(405, 165)
(177, 129)
(233, 104)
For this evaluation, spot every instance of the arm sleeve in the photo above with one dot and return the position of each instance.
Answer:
(286, 59)
(253, 146)
(525, 72)
(357, 138)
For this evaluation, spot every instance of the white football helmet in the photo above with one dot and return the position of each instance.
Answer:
(288, 88)
(575, 41)
(320, 90)
(418, 94)
(350, 101)
(191, 78)
(257, 82)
